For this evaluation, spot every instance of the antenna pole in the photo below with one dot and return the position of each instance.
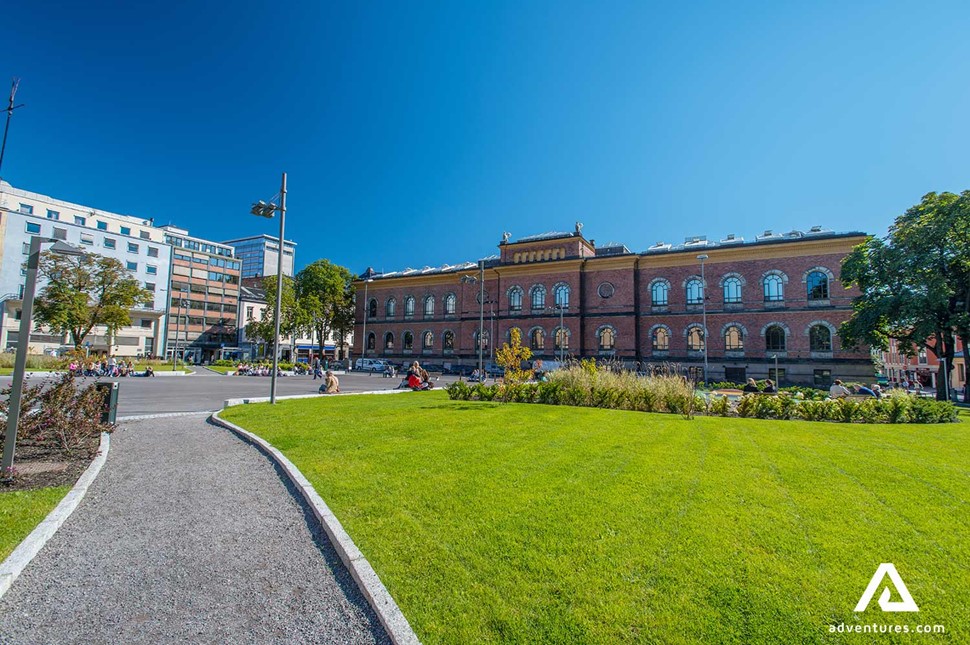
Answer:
(9, 110)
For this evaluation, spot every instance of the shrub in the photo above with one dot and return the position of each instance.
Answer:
(458, 391)
(932, 411)
(813, 410)
(223, 363)
(62, 415)
(719, 406)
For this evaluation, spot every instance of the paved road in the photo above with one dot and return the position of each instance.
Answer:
(207, 390)
(188, 535)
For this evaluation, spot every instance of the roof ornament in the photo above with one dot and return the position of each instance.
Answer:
(579, 228)
(506, 236)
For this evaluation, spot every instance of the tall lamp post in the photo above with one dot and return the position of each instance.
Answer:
(560, 336)
(468, 279)
(702, 257)
(363, 340)
(262, 209)
(23, 343)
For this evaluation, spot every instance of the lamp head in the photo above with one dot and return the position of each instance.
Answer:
(63, 248)
(702, 257)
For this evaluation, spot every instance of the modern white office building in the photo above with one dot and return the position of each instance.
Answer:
(136, 242)
(260, 255)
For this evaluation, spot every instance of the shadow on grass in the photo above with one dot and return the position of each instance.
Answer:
(477, 406)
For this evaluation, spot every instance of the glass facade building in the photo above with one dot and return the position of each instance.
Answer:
(260, 253)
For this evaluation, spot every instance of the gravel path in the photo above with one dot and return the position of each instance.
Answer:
(188, 535)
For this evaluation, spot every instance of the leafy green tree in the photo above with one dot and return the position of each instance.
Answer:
(83, 292)
(265, 328)
(511, 355)
(344, 317)
(321, 297)
(914, 283)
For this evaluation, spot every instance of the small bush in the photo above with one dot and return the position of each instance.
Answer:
(932, 411)
(719, 406)
(458, 391)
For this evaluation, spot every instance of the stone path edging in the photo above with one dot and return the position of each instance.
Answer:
(17, 561)
(377, 595)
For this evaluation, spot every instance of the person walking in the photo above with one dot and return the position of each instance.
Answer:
(317, 368)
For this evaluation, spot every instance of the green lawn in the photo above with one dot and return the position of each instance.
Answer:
(222, 369)
(528, 523)
(22, 511)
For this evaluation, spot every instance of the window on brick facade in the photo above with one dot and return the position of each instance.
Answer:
(481, 341)
(538, 297)
(561, 293)
(695, 292)
(820, 338)
(450, 302)
(407, 340)
(409, 306)
(515, 299)
(371, 341)
(388, 340)
(733, 339)
(562, 338)
(659, 293)
(818, 286)
(607, 338)
(775, 338)
(428, 306)
(372, 308)
(448, 340)
(537, 339)
(774, 288)
(389, 307)
(695, 339)
(732, 291)
(661, 339)
(427, 341)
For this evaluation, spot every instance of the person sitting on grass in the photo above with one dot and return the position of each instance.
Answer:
(862, 390)
(750, 386)
(838, 391)
(769, 387)
(149, 370)
(331, 385)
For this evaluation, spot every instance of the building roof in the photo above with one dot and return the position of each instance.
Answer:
(269, 238)
(252, 294)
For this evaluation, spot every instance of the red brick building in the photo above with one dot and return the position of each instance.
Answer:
(776, 298)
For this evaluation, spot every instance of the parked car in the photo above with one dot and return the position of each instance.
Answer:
(369, 365)
(433, 367)
(459, 370)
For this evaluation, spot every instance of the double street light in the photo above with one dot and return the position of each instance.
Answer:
(363, 342)
(703, 257)
(23, 342)
(470, 279)
(268, 210)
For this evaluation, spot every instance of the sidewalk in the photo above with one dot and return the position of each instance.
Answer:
(187, 536)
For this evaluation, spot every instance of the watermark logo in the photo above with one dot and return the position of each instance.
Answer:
(887, 569)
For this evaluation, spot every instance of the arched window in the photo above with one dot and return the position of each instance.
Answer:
(774, 288)
(775, 338)
(732, 291)
(562, 338)
(448, 340)
(733, 339)
(428, 306)
(661, 339)
(389, 307)
(409, 306)
(658, 293)
(388, 340)
(372, 308)
(562, 295)
(515, 299)
(407, 340)
(820, 338)
(607, 339)
(695, 339)
(818, 286)
(538, 296)
(427, 341)
(695, 292)
(371, 341)
(537, 339)
(450, 304)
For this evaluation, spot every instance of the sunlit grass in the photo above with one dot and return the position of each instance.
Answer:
(530, 523)
(22, 511)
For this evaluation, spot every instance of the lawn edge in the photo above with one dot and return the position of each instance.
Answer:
(378, 597)
(21, 556)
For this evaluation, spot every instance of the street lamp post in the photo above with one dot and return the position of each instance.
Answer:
(703, 257)
(560, 337)
(23, 343)
(262, 209)
(467, 279)
(363, 341)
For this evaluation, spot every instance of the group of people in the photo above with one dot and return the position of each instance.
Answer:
(839, 390)
(752, 386)
(416, 378)
(108, 367)
(244, 369)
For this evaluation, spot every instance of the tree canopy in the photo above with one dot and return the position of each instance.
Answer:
(322, 290)
(915, 282)
(86, 291)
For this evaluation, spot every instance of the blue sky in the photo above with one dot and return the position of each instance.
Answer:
(416, 133)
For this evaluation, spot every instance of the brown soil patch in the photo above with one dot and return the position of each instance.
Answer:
(42, 466)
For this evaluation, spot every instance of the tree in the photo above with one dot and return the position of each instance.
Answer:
(265, 328)
(86, 291)
(321, 297)
(915, 283)
(511, 355)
